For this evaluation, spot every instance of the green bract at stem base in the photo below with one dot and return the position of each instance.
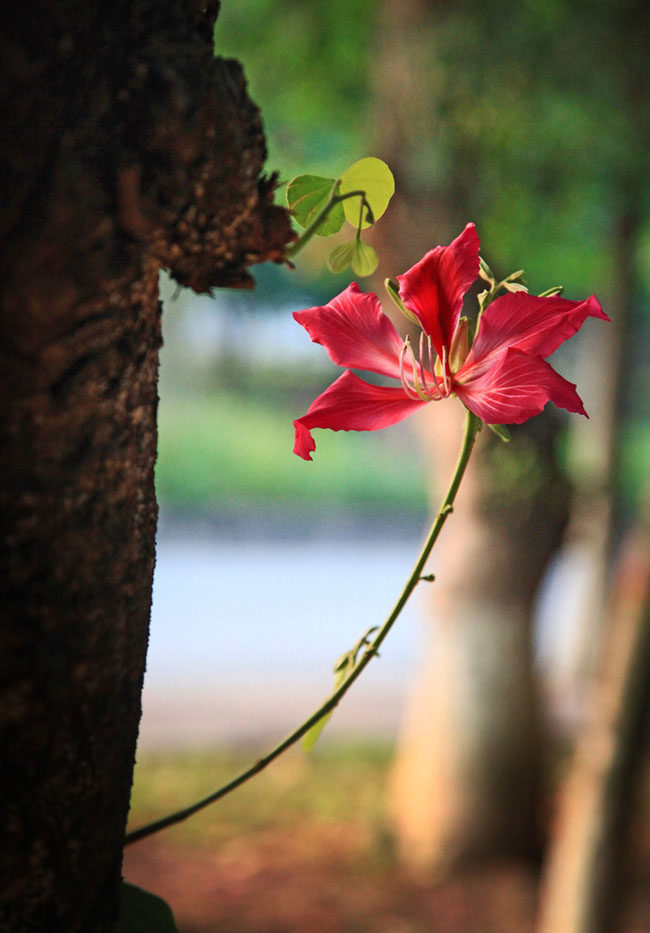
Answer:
(472, 427)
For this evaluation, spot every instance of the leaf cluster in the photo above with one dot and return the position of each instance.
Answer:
(359, 196)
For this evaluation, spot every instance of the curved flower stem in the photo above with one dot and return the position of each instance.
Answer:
(331, 202)
(472, 427)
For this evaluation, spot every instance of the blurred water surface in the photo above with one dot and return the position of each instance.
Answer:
(245, 633)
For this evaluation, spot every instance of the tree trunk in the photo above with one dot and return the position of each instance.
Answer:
(466, 776)
(608, 672)
(466, 779)
(586, 877)
(127, 148)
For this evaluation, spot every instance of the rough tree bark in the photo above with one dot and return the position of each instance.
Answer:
(126, 148)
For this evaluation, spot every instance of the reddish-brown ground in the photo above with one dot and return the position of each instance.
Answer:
(312, 881)
(303, 848)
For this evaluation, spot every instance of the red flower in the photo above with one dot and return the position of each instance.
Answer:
(503, 378)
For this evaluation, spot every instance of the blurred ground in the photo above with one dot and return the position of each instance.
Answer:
(315, 883)
(305, 847)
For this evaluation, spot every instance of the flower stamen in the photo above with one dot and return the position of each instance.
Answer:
(420, 381)
(445, 370)
(410, 391)
(433, 392)
(421, 391)
(432, 369)
(413, 389)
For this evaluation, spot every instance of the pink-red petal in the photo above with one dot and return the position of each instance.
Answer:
(434, 288)
(517, 388)
(350, 404)
(535, 325)
(355, 332)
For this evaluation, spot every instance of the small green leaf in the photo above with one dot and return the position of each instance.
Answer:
(307, 195)
(501, 431)
(310, 738)
(341, 669)
(364, 259)
(340, 257)
(143, 912)
(375, 178)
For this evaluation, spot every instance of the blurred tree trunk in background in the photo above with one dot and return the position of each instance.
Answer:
(408, 98)
(126, 148)
(466, 778)
(584, 888)
(597, 516)
(589, 868)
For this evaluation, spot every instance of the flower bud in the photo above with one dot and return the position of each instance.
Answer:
(340, 257)
(514, 286)
(392, 288)
(459, 345)
(364, 258)
(485, 272)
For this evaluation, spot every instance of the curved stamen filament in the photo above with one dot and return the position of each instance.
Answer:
(423, 378)
(416, 382)
(436, 392)
(420, 390)
(410, 391)
(445, 369)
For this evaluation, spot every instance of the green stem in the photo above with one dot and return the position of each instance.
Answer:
(331, 202)
(472, 427)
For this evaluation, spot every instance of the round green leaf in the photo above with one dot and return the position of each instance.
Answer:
(375, 178)
(307, 195)
(340, 257)
(364, 259)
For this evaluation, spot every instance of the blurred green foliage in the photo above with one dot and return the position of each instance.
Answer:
(236, 450)
(539, 127)
(308, 67)
(534, 116)
(531, 119)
